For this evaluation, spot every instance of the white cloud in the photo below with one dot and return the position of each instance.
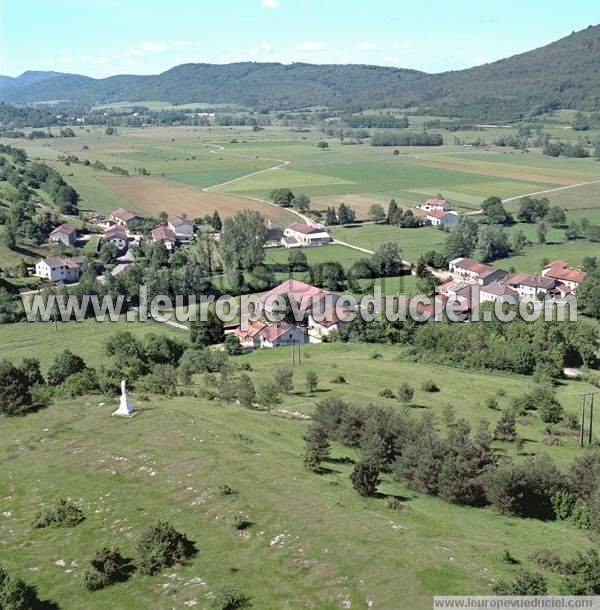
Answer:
(366, 46)
(401, 45)
(132, 52)
(309, 45)
(269, 3)
(263, 47)
(183, 43)
(154, 47)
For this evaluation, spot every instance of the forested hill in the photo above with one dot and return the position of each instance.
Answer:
(249, 84)
(563, 74)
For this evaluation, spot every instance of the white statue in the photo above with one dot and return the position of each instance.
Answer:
(125, 407)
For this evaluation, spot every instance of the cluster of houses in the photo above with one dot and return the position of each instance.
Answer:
(321, 317)
(555, 280)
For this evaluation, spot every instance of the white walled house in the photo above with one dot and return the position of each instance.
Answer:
(65, 234)
(122, 217)
(436, 205)
(280, 334)
(440, 218)
(299, 234)
(57, 269)
(474, 271)
(249, 336)
(496, 290)
(116, 236)
(561, 272)
(531, 286)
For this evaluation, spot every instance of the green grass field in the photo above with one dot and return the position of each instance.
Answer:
(312, 541)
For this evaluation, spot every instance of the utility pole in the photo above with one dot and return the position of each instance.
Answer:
(587, 403)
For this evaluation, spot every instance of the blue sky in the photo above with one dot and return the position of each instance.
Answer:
(100, 38)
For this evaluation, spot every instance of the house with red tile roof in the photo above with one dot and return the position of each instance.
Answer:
(58, 269)
(165, 235)
(299, 234)
(305, 295)
(117, 236)
(323, 323)
(440, 218)
(278, 334)
(433, 205)
(181, 227)
(64, 234)
(123, 217)
(474, 271)
(560, 271)
(248, 335)
(497, 290)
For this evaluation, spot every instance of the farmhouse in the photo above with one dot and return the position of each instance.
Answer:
(322, 324)
(181, 227)
(299, 234)
(440, 218)
(436, 205)
(497, 290)
(560, 271)
(122, 217)
(65, 234)
(59, 269)
(249, 336)
(305, 295)
(473, 271)
(116, 236)
(280, 334)
(531, 286)
(165, 235)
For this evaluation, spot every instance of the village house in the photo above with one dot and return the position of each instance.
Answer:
(116, 236)
(321, 324)
(305, 295)
(65, 234)
(181, 227)
(122, 217)
(249, 336)
(440, 218)
(560, 271)
(279, 334)
(299, 235)
(436, 205)
(530, 286)
(165, 235)
(57, 269)
(497, 290)
(473, 271)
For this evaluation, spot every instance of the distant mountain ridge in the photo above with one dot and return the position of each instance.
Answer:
(563, 74)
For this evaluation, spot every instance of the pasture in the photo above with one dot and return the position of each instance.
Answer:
(312, 539)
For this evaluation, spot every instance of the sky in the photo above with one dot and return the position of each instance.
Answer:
(102, 38)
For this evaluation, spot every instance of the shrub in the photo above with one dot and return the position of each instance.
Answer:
(62, 513)
(506, 557)
(65, 363)
(110, 565)
(584, 473)
(312, 380)
(284, 378)
(581, 515)
(547, 559)
(93, 580)
(16, 594)
(525, 488)
(430, 386)
(405, 393)
(387, 393)
(225, 490)
(396, 505)
(338, 379)
(232, 345)
(240, 522)
(160, 545)
(229, 598)
(162, 380)
(506, 428)
(365, 478)
(492, 403)
(583, 574)
(15, 391)
(525, 583)
(563, 503)
(79, 384)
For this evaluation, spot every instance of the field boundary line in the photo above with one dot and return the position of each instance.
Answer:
(558, 188)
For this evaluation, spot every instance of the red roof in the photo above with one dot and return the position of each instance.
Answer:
(115, 232)
(163, 234)
(124, 215)
(566, 275)
(302, 227)
(65, 228)
(436, 202)
(470, 264)
(254, 327)
(500, 290)
(177, 220)
(296, 289)
(276, 329)
(329, 316)
(439, 214)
